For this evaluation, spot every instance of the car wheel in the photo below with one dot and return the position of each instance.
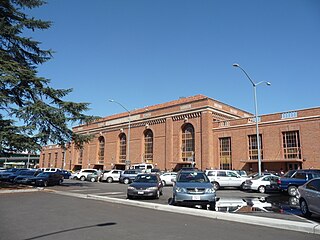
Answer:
(126, 181)
(216, 185)
(163, 182)
(45, 183)
(262, 189)
(129, 197)
(292, 191)
(92, 179)
(304, 208)
(82, 178)
(241, 186)
(109, 180)
(60, 182)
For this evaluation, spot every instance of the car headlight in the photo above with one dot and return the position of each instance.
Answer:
(180, 190)
(210, 190)
(131, 188)
(152, 188)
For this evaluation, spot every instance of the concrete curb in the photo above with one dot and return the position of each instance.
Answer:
(22, 190)
(306, 227)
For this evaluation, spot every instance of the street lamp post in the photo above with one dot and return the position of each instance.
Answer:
(256, 111)
(129, 125)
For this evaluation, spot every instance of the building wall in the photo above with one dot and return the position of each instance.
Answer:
(271, 127)
(211, 121)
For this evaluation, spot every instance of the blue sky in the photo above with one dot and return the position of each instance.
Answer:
(146, 52)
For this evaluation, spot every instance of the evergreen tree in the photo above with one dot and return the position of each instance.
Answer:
(32, 113)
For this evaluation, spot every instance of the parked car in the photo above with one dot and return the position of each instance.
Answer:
(10, 175)
(145, 185)
(253, 175)
(47, 178)
(93, 177)
(128, 176)
(273, 187)
(168, 177)
(83, 173)
(50, 169)
(144, 167)
(25, 176)
(65, 173)
(225, 178)
(260, 183)
(194, 188)
(111, 175)
(242, 173)
(309, 199)
(298, 178)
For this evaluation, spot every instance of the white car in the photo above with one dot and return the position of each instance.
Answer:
(225, 178)
(83, 173)
(166, 178)
(111, 176)
(259, 183)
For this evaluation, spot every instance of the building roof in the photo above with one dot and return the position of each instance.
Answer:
(183, 102)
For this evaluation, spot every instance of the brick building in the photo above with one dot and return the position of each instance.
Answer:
(197, 130)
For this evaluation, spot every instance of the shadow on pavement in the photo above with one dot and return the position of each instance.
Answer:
(73, 229)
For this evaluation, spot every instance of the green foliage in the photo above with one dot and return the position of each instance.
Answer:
(32, 113)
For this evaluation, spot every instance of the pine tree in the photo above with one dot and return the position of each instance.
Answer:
(32, 113)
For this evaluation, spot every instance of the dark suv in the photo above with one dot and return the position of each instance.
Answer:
(290, 183)
(128, 176)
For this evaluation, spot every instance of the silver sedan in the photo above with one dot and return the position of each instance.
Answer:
(310, 197)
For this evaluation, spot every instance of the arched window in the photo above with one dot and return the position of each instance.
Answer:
(148, 146)
(122, 148)
(187, 143)
(101, 149)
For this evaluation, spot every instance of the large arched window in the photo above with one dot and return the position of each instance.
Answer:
(148, 146)
(122, 148)
(101, 149)
(187, 143)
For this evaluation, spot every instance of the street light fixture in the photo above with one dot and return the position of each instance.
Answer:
(127, 162)
(256, 111)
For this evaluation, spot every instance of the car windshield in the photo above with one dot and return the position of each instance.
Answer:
(192, 177)
(146, 178)
(289, 173)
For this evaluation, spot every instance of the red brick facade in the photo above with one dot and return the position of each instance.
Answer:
(192, 128)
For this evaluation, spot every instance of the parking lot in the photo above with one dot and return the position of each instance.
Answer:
(276, 205)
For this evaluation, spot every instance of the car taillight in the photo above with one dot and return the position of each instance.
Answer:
(279, 182)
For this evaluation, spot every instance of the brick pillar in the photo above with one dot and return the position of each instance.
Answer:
(206, 140)
(169, 144)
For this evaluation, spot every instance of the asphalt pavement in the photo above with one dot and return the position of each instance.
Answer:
(46, 215)
(281, 215)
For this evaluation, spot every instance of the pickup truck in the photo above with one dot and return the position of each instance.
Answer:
(290, 183)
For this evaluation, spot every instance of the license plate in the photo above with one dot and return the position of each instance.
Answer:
(195, 197)
(141, 193)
